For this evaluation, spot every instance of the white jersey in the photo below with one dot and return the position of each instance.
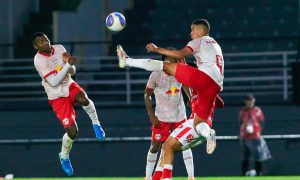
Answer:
(209, 58)
(169, 101)
(46, 65)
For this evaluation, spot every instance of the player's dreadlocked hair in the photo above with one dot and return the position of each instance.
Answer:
(36, 34)
(204, 23)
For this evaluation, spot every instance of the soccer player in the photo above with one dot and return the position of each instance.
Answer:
(55, 66)
(206, 82)
(169, 113)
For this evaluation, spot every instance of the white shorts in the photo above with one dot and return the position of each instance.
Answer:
(187, 135)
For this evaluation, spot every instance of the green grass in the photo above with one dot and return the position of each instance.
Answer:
(176, 178)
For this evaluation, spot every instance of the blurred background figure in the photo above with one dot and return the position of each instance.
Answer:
(254, 147)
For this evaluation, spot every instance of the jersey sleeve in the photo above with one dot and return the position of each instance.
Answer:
(43, 69)
(194, 45)
(152, 80)
(61, 48)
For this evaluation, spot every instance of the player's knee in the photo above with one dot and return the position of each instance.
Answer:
(154, 148)
(203, 129)
(84, 101)
(167, 146)
(72, 132)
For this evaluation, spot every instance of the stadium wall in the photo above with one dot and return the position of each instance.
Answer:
(128, 158)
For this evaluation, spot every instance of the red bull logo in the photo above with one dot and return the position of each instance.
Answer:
(58, 69)
(173, 91)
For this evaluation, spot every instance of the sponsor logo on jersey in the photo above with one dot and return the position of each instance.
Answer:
(58, 69)
(173, 91)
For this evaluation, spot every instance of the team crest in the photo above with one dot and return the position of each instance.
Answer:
(157, 136)
(66, 121)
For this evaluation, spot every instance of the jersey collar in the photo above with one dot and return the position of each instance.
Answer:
(45, 54)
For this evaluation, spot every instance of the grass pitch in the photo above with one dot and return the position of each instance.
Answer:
(175, 178)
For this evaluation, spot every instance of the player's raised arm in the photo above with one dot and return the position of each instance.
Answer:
(55, 80)
(171, 53)
(65, 57)
(148, 102)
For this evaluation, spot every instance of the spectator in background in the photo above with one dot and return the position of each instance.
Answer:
(254, 147)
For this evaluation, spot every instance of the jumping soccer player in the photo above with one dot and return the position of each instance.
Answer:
(55, 66)
(206, 82)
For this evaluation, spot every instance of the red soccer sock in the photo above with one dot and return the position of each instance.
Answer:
(167, 172)
(157, 175)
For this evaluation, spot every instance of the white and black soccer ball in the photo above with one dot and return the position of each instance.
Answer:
(115, 21)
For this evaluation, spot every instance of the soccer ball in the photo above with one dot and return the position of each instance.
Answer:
(115, 21)
(251, 172)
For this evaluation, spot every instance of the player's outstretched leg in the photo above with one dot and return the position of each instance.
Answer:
(211, 142)
(204, 130)
(91, 111)
(147, 64)
(122, 56)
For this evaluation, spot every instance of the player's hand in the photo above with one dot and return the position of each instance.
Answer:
(189, 103)
(65, 56)
(72, 60)
(151, 47)
(154, 120)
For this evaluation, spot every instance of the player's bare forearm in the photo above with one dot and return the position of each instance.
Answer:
(55, 80)
(170, 53)
(148, 104)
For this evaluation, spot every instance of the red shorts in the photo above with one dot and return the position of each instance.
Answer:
(161, 132)
(204, 87)
(63, 106)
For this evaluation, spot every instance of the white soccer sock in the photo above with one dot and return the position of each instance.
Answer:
(66, 146)
(151, 160)
(203, 129)
(188, 161)
(91, 111)
(159, 168)
(147, 64)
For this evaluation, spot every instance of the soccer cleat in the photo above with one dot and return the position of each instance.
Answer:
(191, 178)
(122, 56)
(211, 143)
(99, 132)
(66, 165)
